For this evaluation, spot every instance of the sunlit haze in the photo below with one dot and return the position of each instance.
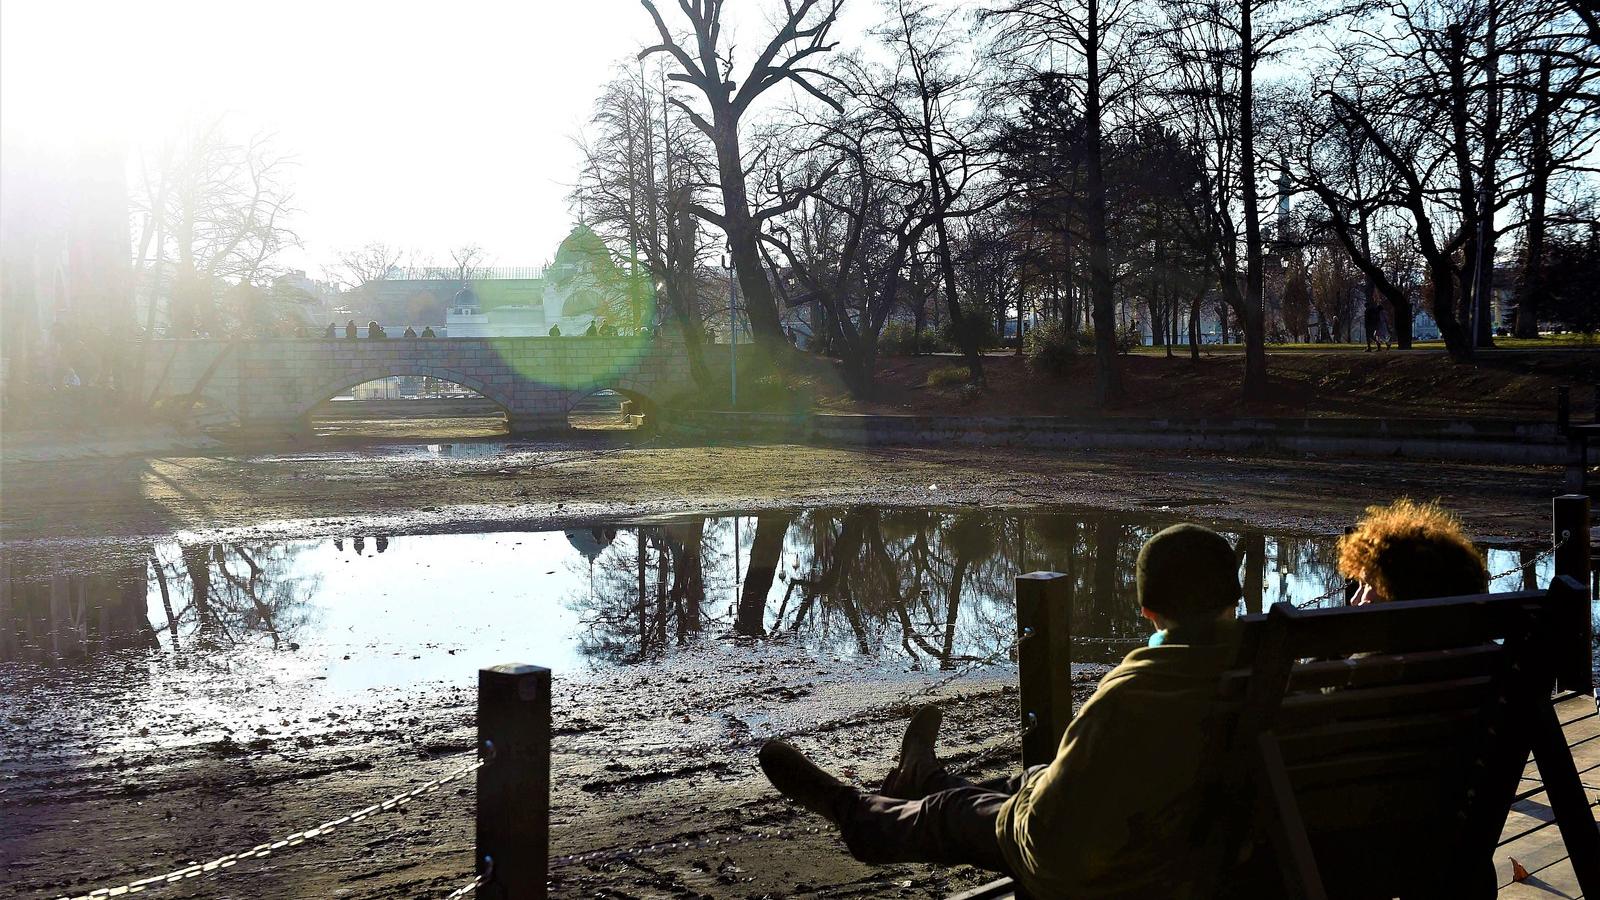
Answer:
(421, 124)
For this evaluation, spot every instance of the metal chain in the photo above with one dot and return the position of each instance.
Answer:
(478, 881)
(195, 870)
(1539, 558)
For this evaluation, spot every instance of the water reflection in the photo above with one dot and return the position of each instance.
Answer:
(911, 588)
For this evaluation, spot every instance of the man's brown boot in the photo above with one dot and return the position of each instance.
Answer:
(917, 760)
(803, 781)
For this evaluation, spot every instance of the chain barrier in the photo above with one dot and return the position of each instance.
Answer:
(195, 870)
(477, 881)
(1518, 568)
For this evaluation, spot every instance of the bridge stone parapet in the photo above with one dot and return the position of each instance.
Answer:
(272, 385)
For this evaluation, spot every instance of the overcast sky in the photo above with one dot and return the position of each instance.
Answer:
(423, 124)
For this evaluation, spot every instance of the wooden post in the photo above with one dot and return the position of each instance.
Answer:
(1569, 516)
(1044, 662)
(514, 787)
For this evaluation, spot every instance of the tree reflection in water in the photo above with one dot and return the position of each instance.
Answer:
(933, 587)
(926, 588)
(209, 595)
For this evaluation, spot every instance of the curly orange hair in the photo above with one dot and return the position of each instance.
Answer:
(1412, 551)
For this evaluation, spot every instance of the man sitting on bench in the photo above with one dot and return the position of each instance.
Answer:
(1411, 551)
(1104, 819)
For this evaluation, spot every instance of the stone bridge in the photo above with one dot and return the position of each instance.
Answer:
(272, 385)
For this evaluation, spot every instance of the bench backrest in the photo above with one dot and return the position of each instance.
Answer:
(1366, 750)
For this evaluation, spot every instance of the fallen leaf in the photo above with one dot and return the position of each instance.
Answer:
(1518, 873)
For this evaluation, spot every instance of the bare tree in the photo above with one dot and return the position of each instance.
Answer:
(217, 209)
(846, 244)
(704, 60)
(1215, 50)
(928, 102)
(1095, 40)
(468, 262)
(374, 261)
(645, 166)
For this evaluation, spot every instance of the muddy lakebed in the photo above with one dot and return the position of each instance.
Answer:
(172, 698)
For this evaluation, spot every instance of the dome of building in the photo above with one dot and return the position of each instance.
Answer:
(591, 542)
(582, 248)
(465, 297)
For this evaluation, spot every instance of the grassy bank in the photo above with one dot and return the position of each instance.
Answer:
(1507, 384)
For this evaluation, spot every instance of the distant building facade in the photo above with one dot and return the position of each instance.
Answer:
(583, 286)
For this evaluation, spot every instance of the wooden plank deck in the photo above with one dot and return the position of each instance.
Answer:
(1530, 836)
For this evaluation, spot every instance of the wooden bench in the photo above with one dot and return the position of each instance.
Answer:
(1375, 751)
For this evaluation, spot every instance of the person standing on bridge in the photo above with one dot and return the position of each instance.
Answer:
(410, 332)
(427, 331)
(375, 331)
(350, 330)
(332, 332)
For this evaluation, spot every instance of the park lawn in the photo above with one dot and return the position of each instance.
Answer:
(1515, 385)
(1546, 342)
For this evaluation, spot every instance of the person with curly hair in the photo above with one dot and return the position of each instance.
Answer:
(1411, 551)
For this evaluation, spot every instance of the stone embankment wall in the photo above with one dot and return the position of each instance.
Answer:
(1532, 443)
(272, 385)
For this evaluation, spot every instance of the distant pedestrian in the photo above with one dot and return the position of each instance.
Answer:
(555, 331)
(592, 330)
(351, 332)
(427, 332)
(332, 332)
(1373, 316)
(410, 332)
(374, 331)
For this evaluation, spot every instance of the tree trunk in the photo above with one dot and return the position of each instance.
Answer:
(1530, 294)
(766, 552)
(1253, 311)
(965, 333)
(1483, 295)
(1107, 382)
(1194, 326)
(1254, 550)
(743, 234)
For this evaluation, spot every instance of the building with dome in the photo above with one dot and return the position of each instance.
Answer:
(582, 286)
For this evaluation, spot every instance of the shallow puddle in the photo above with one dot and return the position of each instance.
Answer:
(227, 632)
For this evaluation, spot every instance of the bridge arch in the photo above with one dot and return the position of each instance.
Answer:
(332, 387)
(642, 395)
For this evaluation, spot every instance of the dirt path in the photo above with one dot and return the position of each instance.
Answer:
(412, 488)
(81, 813)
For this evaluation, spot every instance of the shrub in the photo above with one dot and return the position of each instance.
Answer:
(976, 318)
(1128, 338)
(945, 376)
(938, 341)
(898, 339)
(1050, 348)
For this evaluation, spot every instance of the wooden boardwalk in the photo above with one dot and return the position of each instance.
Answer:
(1530, 836)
